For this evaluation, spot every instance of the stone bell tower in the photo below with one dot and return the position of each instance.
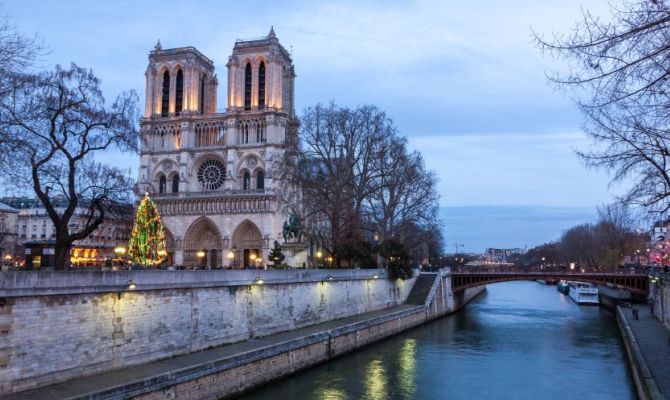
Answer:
(179, 81)
(260, 76)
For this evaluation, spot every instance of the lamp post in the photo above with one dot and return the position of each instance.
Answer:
(319, 254)
(130, 285)
(637, 252)
(120, 252)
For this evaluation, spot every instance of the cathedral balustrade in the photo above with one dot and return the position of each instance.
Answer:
(215, 193)
(215, 204)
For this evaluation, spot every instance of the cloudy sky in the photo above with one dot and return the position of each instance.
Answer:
(461, 79)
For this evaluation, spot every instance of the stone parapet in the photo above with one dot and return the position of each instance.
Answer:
(56, 326)
(38, 283)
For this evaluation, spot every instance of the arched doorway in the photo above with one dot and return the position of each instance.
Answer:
(202, 244)
(248, 243)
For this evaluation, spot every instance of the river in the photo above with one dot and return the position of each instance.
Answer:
(519, 340)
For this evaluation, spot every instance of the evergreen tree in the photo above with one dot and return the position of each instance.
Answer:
(276, 256)
(147, 240)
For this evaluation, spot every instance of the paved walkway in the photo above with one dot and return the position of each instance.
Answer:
(90, 385)
(653, 338)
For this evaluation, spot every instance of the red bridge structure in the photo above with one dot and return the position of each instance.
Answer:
(636, 283)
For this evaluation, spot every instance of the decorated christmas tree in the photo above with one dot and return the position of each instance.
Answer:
(147, 240)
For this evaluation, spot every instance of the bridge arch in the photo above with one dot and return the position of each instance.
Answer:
(635, 283)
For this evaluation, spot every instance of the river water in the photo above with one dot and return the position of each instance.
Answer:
(519, 340)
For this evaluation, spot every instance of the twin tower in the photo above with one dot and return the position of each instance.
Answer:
(210, 170)
(182, 80)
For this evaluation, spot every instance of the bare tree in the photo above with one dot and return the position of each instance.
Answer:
(334, 171)
(578, 245)
(352, 173)
(405, 191)
(17, 51)
(52, 124)
(619, 74)
(605, 243)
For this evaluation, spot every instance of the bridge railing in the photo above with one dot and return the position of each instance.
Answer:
(547, 271)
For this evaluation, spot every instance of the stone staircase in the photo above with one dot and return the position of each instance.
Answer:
(421, 289)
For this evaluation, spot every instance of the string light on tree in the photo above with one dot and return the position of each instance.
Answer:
(147, 240)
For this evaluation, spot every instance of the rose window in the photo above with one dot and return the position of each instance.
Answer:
(211, 174)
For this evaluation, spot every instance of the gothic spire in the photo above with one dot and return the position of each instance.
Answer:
(272, 32)
(158, 46)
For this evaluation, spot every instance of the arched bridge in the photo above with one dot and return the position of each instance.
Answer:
(636, 283)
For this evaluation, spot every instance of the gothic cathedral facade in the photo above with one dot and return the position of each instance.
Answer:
(211, 173)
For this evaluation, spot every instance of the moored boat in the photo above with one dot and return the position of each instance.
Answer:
(563, 287)
(583, 293)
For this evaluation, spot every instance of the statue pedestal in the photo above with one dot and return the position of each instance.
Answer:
(296, 254)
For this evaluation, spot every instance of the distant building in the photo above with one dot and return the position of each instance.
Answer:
(34, 225)
(501, 255)
(659, 243)
(8, 233)
(658, 232)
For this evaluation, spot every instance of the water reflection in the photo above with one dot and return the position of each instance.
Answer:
(521, 340)
(406, 375)
(375, 381)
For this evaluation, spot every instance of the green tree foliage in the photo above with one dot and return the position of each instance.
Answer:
(276, 255)
(398, 259)
(147, 239)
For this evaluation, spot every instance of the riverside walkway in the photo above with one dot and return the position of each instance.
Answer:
(653, 340)
(143, 378)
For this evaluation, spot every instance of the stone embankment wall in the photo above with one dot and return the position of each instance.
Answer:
(60, 325)
(239, 375)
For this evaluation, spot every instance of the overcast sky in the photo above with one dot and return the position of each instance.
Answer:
(461, 79)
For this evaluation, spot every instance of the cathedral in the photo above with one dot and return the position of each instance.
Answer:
(211, 173)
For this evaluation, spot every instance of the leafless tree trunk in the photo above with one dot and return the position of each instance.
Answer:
(52, 123)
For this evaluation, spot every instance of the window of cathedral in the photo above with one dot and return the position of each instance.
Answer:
(245, 133)
(260, 180)
(247, 87)
(162, 184)
(202, 95)
(165, 100)
(211, 174)
(261, 85)
(179, 95)
(246, 181)
(175, 184)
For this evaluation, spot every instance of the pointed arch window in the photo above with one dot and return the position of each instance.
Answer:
(246, 182)
(175, 184)
(260, 180)
(247, 87)
(165, 99)
(261, 85)
(161, 184)
(179, 94)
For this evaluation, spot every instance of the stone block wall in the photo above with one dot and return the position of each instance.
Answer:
(56, 326)
(660, 298)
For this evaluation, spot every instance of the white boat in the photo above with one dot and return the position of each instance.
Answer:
(583, 293)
